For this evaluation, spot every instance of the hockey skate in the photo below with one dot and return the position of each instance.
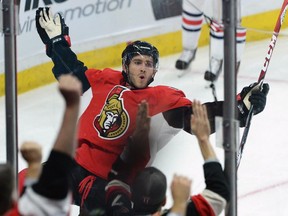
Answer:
(215, 69)
(185, 59)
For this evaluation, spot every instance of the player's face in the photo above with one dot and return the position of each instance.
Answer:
(141, 70)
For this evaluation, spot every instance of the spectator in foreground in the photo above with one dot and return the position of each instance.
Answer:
(47, 188)
(147, 194)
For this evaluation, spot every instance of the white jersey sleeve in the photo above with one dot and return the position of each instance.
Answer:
(31, 203)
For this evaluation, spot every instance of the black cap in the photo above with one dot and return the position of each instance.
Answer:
(149, 191)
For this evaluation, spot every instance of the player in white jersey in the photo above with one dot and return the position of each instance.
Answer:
(192, 21)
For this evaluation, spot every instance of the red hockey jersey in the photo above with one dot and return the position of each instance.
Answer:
(110, 117)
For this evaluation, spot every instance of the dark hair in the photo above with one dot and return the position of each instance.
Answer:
(149, 191)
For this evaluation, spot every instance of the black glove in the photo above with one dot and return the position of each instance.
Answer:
(51, 30)
(258, 98)
(42, 33)
(252, 95)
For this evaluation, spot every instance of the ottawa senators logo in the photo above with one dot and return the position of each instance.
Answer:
(113, 120)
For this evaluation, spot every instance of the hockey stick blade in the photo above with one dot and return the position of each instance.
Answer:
(262, 75)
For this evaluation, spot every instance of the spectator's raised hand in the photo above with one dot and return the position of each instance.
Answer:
(140, 136)
(138, 144)
(31, 152)
(199, 121)
(136, 150)
(201, 128)
(180, 189)
(71, 89)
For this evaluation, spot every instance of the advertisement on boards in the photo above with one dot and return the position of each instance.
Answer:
(94, 24)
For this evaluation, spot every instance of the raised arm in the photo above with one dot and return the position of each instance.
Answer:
(50, 194)
(70, 89)
(54, 33)
(130, 161)
(180, 189)
(200, 126)
(118, 194)
(216, 192)
(32, 154)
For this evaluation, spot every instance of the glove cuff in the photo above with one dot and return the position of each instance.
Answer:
(65, 39)
(243, 113)
(61, 39)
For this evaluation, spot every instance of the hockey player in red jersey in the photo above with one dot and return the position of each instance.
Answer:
(107, 123)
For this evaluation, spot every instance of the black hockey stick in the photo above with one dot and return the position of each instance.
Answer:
(262, 75)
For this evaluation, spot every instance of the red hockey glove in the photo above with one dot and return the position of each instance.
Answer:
(51, 30)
